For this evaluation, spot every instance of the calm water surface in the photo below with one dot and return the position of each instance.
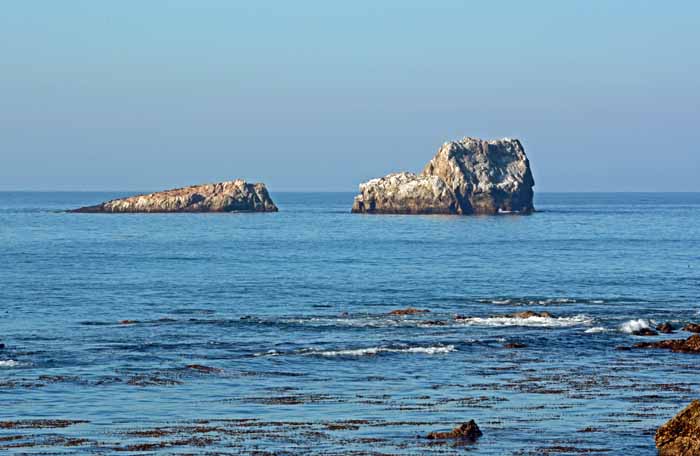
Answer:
(270, 333)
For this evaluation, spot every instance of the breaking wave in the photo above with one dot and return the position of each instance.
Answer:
(369, 351)
(441, 349)
(632, 326)
(535, 321)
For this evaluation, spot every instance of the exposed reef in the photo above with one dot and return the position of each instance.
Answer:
(471, 176)
(232, 196)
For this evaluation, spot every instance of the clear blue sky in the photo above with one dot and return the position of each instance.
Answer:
(320, 95)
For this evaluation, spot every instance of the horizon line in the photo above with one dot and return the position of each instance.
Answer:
(346, 191)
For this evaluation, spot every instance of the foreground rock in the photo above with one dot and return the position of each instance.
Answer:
(689, 345)
(232, 196)
(681, 435)
(471, 176)
(466, 431)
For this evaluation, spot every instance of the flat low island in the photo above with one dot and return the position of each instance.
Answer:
(231, 196)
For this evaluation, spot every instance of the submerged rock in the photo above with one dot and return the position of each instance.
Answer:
(666, 328)
(529, 314)
(681, 435)
(689, 345)
(467, 431)
(514, 345)
(644, 332)
(232, 196)
(409, 311)
(471, 176)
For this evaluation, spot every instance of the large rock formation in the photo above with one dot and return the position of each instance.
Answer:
(681, 435)
(232, 196)
(473, 177)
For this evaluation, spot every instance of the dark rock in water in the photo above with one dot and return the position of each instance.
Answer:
(530, 314)
(466, 431)
(514, 345)
(692, 327)
(644, 332)
(471, 176)
(665, 328)
(2, 345)
(689, 345)
(202, 368)
(408, 311)
(681, 435)
(232, 196)
(434, 323)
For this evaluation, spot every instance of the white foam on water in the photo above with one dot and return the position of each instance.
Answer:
(596, 330)
(376, 350)
(597, 301)
(9, 363)
(542, 322)
(268, 353)
(634, 325)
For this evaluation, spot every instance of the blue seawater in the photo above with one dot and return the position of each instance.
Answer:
(271, 333)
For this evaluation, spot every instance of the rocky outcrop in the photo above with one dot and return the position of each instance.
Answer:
(487, 177)
(405, 193)
(681, 435)
(232, 196)
(692, 327)
(689, 345)
(471, 176)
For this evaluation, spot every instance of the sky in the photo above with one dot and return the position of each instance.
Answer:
(319, 95)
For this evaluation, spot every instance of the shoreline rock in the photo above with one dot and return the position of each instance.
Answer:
(231, 196)
(466, 177)
(680, 436)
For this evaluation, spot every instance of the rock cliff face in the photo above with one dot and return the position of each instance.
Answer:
(470, 176)
(681, 435)
(232, 196)
(486, 177)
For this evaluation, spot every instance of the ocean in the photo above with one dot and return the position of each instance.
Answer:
(272, 334)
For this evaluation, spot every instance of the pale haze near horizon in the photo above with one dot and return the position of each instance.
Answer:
(314, 96)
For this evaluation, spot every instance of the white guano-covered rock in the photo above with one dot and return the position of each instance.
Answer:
(405, 193)
(470, 176)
